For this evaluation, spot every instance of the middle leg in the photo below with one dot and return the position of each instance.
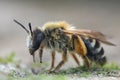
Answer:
(53, 60)
(64, 59)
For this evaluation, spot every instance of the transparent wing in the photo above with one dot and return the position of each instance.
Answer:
(89, 33)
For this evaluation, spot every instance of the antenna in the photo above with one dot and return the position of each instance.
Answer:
(30, 27)
(21, 25)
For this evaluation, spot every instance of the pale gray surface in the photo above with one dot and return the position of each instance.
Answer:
(99, 15)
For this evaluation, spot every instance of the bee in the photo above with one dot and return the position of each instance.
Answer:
(64, 38)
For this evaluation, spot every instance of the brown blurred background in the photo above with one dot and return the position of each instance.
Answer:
(97, 15)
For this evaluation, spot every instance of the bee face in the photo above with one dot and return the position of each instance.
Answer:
(34, 38)
(30, 44)
(34, 41)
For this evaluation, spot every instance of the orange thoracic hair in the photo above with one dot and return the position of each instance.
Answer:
(59, 24)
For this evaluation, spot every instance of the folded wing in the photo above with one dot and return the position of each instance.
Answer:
(91, 34)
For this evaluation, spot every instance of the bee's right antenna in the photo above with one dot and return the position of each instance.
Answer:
(21, 25)
(30, 27)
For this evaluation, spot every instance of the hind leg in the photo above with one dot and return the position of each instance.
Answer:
(81, 49)
(75, 58)
(72, 45)
(86, 61)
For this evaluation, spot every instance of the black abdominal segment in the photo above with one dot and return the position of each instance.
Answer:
(96, 52)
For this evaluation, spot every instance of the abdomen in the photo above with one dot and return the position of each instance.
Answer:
(95, 51)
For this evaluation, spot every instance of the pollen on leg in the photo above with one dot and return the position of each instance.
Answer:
(80, 46)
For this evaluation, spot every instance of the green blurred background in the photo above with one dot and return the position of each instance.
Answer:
(100, 15)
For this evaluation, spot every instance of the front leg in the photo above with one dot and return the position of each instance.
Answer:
(33, 58)
(41, 53)
(64, 59)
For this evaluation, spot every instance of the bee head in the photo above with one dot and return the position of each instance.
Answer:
(34, 38)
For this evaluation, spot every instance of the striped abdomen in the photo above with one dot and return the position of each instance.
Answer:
(94, 51)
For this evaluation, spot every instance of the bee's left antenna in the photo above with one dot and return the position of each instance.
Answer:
(21, 25)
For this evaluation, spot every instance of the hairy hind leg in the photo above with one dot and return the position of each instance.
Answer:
(75, 58)
(81, 49)
(86, 61)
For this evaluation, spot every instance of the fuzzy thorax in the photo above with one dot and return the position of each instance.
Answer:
(60, 24)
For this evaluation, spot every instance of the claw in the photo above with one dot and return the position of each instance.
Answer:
(40, 61)
(51, 72)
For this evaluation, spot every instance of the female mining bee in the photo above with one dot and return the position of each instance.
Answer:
(63, 38)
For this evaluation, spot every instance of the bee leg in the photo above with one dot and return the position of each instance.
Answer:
(64, 59)
(86, 61)
(76, 59)
(40, 54)
(72, 45)
(81, 49)
(33, 58)
(53, 60)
